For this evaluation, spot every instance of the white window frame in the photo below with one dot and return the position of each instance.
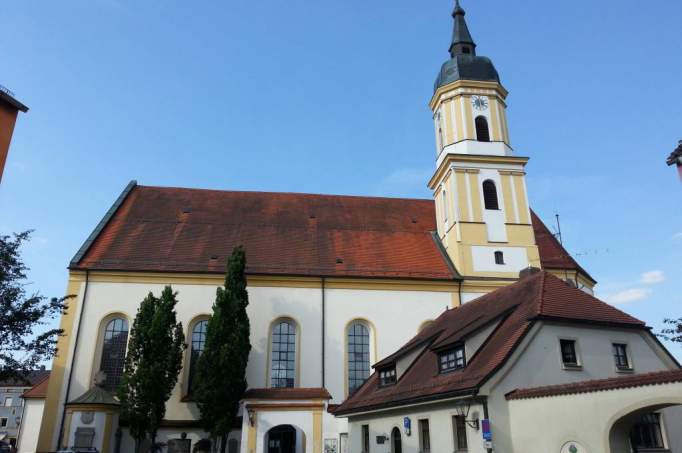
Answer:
(578, 355)
(628, 354)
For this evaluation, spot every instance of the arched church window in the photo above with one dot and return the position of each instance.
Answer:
(499, 257)
(114, 345)
(490, 195)
(198, 345)
(358, 355)
(482, 130)
(283, 365)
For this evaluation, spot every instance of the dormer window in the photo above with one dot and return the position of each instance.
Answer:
(452, 359)
(387, 376)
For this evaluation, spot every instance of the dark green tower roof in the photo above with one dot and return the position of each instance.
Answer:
(464, 64)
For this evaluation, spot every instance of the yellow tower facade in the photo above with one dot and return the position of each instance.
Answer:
(479, 185)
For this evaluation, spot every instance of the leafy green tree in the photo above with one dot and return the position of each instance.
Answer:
(21, 348)
(674, 331)
(220, 380)
(153, 362)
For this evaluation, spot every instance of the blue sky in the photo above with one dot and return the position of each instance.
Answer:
(331, 97)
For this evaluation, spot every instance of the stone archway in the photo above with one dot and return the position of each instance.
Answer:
(285, 439)
(643, 428)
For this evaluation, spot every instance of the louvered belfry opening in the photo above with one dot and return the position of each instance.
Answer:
(482, 131)
(490, 195)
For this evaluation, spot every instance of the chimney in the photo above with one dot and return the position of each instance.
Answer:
(9, 109)
(529, 271)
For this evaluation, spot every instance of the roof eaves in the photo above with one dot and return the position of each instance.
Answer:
(103, 223)
(619, 324)
(6, 96)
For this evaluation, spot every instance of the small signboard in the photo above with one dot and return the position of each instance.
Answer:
(485, 430)
(407, 424)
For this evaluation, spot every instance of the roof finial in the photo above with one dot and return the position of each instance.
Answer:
(462, 42)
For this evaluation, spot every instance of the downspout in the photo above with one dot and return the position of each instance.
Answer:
(323, 333)
(460, 292)
(73, 360)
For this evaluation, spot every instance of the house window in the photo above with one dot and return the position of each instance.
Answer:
(365, 438)
(424, 436)
(387, 377)
(647, 433)
(114, 352)
(358, 355)
(3, 422)
(453, 359)
(490, 195)
(283, 370)
(198, 345)
(8, 401)
(569, 356)
(459, 432)
(482, 131)
(620, 354)
(499, 258)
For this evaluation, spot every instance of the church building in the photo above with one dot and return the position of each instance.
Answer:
(378, 325)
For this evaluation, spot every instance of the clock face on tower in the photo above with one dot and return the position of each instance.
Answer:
(479, 103)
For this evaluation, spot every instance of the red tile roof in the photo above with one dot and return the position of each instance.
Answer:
(552, 254)
(191, 230)
(39, 390)
(287, 394)
(599, 385)
(516, 307)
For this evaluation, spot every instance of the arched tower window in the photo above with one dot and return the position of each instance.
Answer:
(115, 341)
(283, 364)
(490, 195)
(482, 130)
(358, 355)
(198, 345)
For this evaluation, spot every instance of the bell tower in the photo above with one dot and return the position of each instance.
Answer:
(479, 185)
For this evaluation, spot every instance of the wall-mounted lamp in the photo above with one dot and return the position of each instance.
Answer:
(463, 411)
(252, 416)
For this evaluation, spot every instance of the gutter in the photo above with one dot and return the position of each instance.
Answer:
(73, 359)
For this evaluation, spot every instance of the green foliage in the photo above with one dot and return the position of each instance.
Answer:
(674, 332)
(21, 349)
(153, 362)
(220, 380)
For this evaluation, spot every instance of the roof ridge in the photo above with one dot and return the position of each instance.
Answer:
(265, 192)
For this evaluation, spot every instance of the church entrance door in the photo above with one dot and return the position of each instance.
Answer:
(282, 439)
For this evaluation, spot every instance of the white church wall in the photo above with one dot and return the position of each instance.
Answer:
(515, 259)
(394, 316)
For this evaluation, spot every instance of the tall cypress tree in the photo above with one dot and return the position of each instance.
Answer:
(220, 380)
(153, 362)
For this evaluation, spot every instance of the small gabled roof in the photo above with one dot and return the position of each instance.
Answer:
(95, 396)
(517, 307)
(39, 390)
(296, 393)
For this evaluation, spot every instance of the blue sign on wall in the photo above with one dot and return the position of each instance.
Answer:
(407, 423)
(485, 429)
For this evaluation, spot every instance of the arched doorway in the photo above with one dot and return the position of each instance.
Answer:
(284, 439)
(396, 441)
(644, 429)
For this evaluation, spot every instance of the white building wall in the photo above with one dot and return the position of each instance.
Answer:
(539, 364)
(30, 425)
(394, 317)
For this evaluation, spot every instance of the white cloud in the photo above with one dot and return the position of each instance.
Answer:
(629, 295)
(652, 277)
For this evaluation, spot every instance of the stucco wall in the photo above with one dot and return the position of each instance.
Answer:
(33, 415)
(394, 316)
(539, 364)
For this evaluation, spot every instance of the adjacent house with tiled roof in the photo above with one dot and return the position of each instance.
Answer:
(339, 283)
(508, 361)
(11, 404)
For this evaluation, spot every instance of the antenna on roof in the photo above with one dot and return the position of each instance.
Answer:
(558, 227)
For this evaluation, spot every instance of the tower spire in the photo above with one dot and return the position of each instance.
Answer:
(462, 42)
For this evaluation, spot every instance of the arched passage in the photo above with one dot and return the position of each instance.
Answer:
(285, 439)
(643, 429)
